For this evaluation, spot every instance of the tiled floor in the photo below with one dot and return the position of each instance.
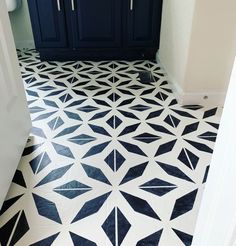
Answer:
(112, 158)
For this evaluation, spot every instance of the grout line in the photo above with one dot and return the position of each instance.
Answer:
(65, 98)
(114, 121)
(153, 187)
(14, 228)
(73, 189)
(115, 166)
(162, 97)
(188, 159)
(83, 139)
(205, 137)
(30, 80)
(172, 121)
(116, 227)
(55, 123)
(146, 137)
(39, 163)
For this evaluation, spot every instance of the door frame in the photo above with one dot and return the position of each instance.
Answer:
(15, 123)
(216, 224)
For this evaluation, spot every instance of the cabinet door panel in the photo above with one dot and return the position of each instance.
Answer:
(95, 23)
(48, 22)
(143, 22)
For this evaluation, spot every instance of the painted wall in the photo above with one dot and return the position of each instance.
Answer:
(177, 18)
(204, 48)
(21, 27)
(212, 46)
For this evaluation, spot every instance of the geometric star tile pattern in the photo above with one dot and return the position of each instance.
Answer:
(112, 158)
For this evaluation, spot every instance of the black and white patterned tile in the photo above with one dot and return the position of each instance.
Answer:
(112, 158)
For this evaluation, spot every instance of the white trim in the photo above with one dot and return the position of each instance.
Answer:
(217, 217)
(206, 99)
(27, 44)
(13, 107)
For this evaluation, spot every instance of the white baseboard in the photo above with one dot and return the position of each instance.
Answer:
(207, 99)
(29, 44)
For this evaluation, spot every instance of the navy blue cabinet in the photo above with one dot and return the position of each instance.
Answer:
(95, 23)
(96, 29)
(143, 22)
(49, 23)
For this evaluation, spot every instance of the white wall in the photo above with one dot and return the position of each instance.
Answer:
(204, 50)
(21, 27)
(216, 225)
(177, 17)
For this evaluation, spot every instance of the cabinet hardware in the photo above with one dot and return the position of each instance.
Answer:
(131, 4)
(58, 5)
(72, 5)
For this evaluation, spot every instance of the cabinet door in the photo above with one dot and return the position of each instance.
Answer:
(48, 23)
(95, 23)
(143, 22)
